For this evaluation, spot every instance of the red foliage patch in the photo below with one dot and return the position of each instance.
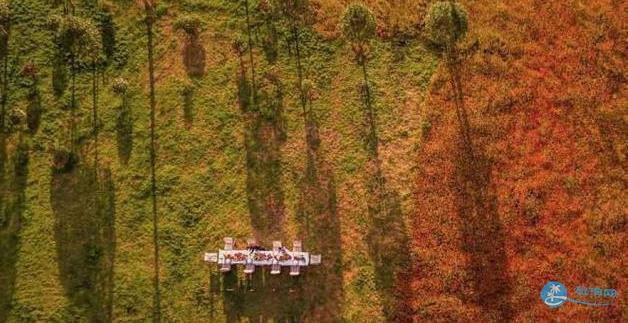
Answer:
(546, 94)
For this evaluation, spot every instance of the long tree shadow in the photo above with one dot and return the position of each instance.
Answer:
(389, 247)
(34, 109)
(475, 197)
(264, 136)
(387, 236)
(83, 204)
(12, 204)
(482, 233)
(187, 95)
(319, 227)
(262, 297)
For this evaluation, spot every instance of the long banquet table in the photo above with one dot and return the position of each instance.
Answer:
(264, 258)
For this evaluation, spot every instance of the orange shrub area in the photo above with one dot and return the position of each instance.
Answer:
(544, 197)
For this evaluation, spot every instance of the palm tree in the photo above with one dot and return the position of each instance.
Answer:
(81, 40)
(358, 26)
(124, 123)
(95, 62)
(297, 12)
(445, 24)
(269, 15)
(250, 41)
(149, 11)
(239, 48)
(244, 95)
(299, 15)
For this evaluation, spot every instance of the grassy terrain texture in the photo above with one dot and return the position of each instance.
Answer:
(439, 183)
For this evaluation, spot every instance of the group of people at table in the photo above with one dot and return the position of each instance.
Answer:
(256, 255)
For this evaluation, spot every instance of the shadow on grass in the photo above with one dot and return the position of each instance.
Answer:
(388, 243)
(262, 297)
(188, 105)
(387, 235)
(319, 228)
(124, 133)
(194, 58)
(83, 204)
(12, 203)
(264, 136)
(483, 237)
(33, 111)
(482, 233)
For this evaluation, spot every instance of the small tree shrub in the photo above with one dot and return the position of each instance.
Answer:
(446, 23)
(77, 39)
(77, 36)
(16, 117)
(190, 24)
(358, 26)
(120, 86)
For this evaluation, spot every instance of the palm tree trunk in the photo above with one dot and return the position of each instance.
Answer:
(456, 84)
(308, 117)
(5, 86)
(250, 40)
(242, 68)
(95, 114)
(72, 104)
(151, 74)
(295, 33)
(373, 145)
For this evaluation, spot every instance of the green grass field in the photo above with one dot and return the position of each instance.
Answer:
(77, 246)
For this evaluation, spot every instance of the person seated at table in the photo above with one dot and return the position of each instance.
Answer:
(283, 250)
(254, 248)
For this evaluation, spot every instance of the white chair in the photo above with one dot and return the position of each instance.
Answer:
(226, 266)
(276, 246)
(249, 267)
(294, 269)
(315, 259)
(211, 257)
(297, 246)
(229, 242)
(275, 268)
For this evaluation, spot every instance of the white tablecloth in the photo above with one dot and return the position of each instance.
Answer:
(264, 258)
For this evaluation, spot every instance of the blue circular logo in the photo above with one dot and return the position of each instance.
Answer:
(554, 294)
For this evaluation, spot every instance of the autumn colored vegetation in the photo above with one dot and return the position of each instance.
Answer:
(545, 90)
(447, 158)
